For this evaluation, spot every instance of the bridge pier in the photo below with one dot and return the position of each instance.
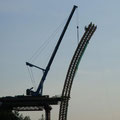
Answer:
(48, 109)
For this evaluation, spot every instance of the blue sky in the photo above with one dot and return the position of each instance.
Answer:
(25, 25)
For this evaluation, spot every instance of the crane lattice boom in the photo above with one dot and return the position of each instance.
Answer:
(40, 86)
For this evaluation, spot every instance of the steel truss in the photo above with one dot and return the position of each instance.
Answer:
(73, 68)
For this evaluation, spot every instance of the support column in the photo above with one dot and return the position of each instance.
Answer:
(47, 112)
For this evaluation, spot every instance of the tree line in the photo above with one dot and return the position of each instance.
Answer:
(15, 115)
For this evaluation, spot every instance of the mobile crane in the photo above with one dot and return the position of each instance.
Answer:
(39, 90)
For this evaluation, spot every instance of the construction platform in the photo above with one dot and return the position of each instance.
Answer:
(28, 103)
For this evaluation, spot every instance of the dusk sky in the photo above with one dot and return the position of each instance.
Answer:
(27, 27)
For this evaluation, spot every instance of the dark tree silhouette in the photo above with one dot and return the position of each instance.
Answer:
(12, 115)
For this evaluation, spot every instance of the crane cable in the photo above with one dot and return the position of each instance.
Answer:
(77, 24)
(31, 77)
(46, 43)
(40, 50)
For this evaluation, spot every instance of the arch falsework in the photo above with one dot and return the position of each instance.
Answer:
(89, 31)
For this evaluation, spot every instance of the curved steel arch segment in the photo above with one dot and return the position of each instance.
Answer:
(73, 68)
